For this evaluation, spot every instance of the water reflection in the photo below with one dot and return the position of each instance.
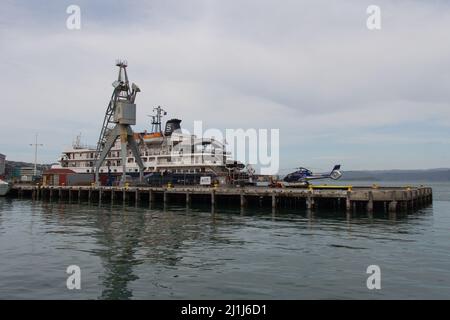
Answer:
(136, 249)
(119, 250)
(132, 236)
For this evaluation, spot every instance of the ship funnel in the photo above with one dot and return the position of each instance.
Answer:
(172, 125)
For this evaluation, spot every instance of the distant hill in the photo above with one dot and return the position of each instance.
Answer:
(439, 174)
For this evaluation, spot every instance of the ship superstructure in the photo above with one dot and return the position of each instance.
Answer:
(168, 151)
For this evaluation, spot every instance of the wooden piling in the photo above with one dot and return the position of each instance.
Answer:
(242, 199)
(370, 202)
(393, 206)
(100, 193)
(213, 198)
(150, 196)
(188, 198)
(348, 202)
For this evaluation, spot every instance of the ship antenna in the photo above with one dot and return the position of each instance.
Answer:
(156, 120)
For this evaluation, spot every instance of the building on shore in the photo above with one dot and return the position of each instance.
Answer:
(58, 177)
(2, 165)
(27, 174)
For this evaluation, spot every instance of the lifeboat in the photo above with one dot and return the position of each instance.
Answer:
(153, 138)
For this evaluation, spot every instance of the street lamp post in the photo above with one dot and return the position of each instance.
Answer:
(36, 145)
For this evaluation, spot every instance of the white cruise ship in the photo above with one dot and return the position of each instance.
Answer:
(170, 151)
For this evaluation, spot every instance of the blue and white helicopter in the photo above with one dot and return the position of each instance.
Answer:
(302, 176)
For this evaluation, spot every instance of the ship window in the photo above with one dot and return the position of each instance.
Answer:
(135, 170)
(87, 170)
(101, 170)
(115, 170)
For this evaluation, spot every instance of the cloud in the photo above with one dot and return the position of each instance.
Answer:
(309, 68)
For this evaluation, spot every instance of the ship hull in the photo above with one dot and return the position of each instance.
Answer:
(4, 189)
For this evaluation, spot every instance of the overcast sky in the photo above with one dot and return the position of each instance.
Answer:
(338, 92)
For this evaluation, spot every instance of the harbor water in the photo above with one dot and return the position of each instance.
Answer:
(174, 252)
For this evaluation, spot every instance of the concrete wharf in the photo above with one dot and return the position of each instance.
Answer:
(345, 198)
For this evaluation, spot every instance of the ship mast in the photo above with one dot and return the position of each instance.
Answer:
(156, 120)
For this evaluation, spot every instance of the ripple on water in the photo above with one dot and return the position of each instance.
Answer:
(135, 252)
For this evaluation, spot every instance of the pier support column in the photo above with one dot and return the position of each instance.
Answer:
(51, 193)
(136, 196)
(112, 195)
(274, 201)
(79, 194)
(348, 202)
(243, 200)
(393, 206)
(33, 194)
(420, 198)
(124, 196)
(90, 194)
(150, 197)
(100, 193)
(310, 201)
(213, 198)
(188, 198)
(60, 193)
(370, 203)
(70, 195)
(309, 204)
(165, 197)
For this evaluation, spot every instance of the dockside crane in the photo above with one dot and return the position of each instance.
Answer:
(119, 117)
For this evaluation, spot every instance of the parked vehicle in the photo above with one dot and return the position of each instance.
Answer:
(162, 179)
